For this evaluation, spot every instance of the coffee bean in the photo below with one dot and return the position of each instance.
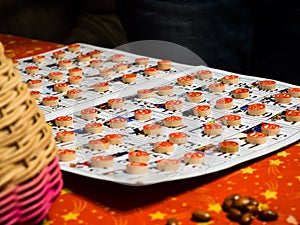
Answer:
(267, 215)
(251, 209)
(233, 197)
(241, 203)
(253, 201)
(229, 200)
(246, 219)
(201, 216)
(227, 204)
(172, 221)
(234, 214)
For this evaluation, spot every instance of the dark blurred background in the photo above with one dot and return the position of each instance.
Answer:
(251, 37)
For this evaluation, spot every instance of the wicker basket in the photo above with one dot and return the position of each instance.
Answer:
(30, 178)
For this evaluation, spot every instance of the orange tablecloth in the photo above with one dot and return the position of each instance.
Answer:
(274, 180)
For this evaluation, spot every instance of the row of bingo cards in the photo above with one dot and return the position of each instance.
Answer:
(203, 121)
(81, 74)
(137, 120)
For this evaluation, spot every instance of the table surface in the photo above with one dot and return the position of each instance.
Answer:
(274, 180)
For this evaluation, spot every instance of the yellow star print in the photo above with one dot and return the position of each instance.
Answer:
(216, 207)
(157, 215)
(297, 177)
(263, 206)
(248, 170)
(47, 222)
(270, 194)
(276, 162)
(65, 191)
(206, 223)
(70, 216)
(283, 154)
